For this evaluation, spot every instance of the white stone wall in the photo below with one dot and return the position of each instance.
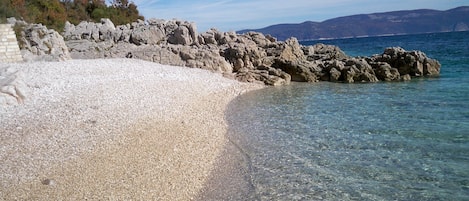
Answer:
(9, 49)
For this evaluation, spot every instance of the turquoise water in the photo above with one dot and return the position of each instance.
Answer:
(375, 141)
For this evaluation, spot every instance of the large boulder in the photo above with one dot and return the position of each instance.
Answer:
(290, 58)
(147, 35)
(385, 72)
(299, 70)
(12, 88)
(265, 41)
(413, 63)
(324, 52)
(291, 51)
(265, 75)
(185, 33)
(84, 30)
(204, 58)
(38, 43)
(244, 55)
(358, 70)
(209, 37)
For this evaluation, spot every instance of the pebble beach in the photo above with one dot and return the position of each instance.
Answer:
(113, 129)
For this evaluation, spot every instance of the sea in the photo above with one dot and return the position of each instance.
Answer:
(363, 141)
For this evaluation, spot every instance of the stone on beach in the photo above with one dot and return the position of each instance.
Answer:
(12, 87)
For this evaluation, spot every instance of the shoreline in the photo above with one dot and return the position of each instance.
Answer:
(231, 180)
(114, 129)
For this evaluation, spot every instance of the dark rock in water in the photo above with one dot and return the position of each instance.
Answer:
(414, 63)
(250, 57)
(385, 72)
(300, 70)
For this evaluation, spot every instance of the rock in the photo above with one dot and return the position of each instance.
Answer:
(300, 70)
(48, 182)
(414, 63)
(12, 88)
(334, 75)
(405, 77)
(333, 70)
(208, 38)
(385, 72)
(11, 20)
(106, 30)
(184, 34)
(204, 58)
(88, 30)
(69, 30)
(348, 74)
(360, 70)
(290, 58)
(291, 51)
(261, 40)
(244, 54)
(268, 76)
(85, 49)
(122, 34)
(180, 36)
(431, 67)
(84, 30)
(324, 52)
(147, 35)
(226, 37)
(37, 43)
(250, 57)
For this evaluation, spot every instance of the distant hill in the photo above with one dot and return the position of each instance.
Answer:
(388, 23)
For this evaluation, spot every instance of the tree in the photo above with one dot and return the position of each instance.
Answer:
(48, 12)
(54, 13)
(11, 8)
(76, 11)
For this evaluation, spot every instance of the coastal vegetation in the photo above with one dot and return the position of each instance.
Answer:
(54, 13)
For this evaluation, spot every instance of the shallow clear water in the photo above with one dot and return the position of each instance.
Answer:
(379, 141)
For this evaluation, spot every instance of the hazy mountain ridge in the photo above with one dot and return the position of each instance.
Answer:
(387, 23)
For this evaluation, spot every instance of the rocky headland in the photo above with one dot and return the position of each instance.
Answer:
(249, 57)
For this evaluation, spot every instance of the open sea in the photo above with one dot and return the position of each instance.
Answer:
(373, 141)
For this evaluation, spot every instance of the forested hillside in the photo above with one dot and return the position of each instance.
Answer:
(375, 24)
(54, 13)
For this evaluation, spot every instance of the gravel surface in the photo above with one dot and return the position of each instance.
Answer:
(115, 129)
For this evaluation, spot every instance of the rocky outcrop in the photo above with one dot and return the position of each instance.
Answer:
(154, 32)
(413, 63)
(250, 57)
(38, 43)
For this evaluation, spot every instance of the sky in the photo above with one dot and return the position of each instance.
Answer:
(234, 15)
